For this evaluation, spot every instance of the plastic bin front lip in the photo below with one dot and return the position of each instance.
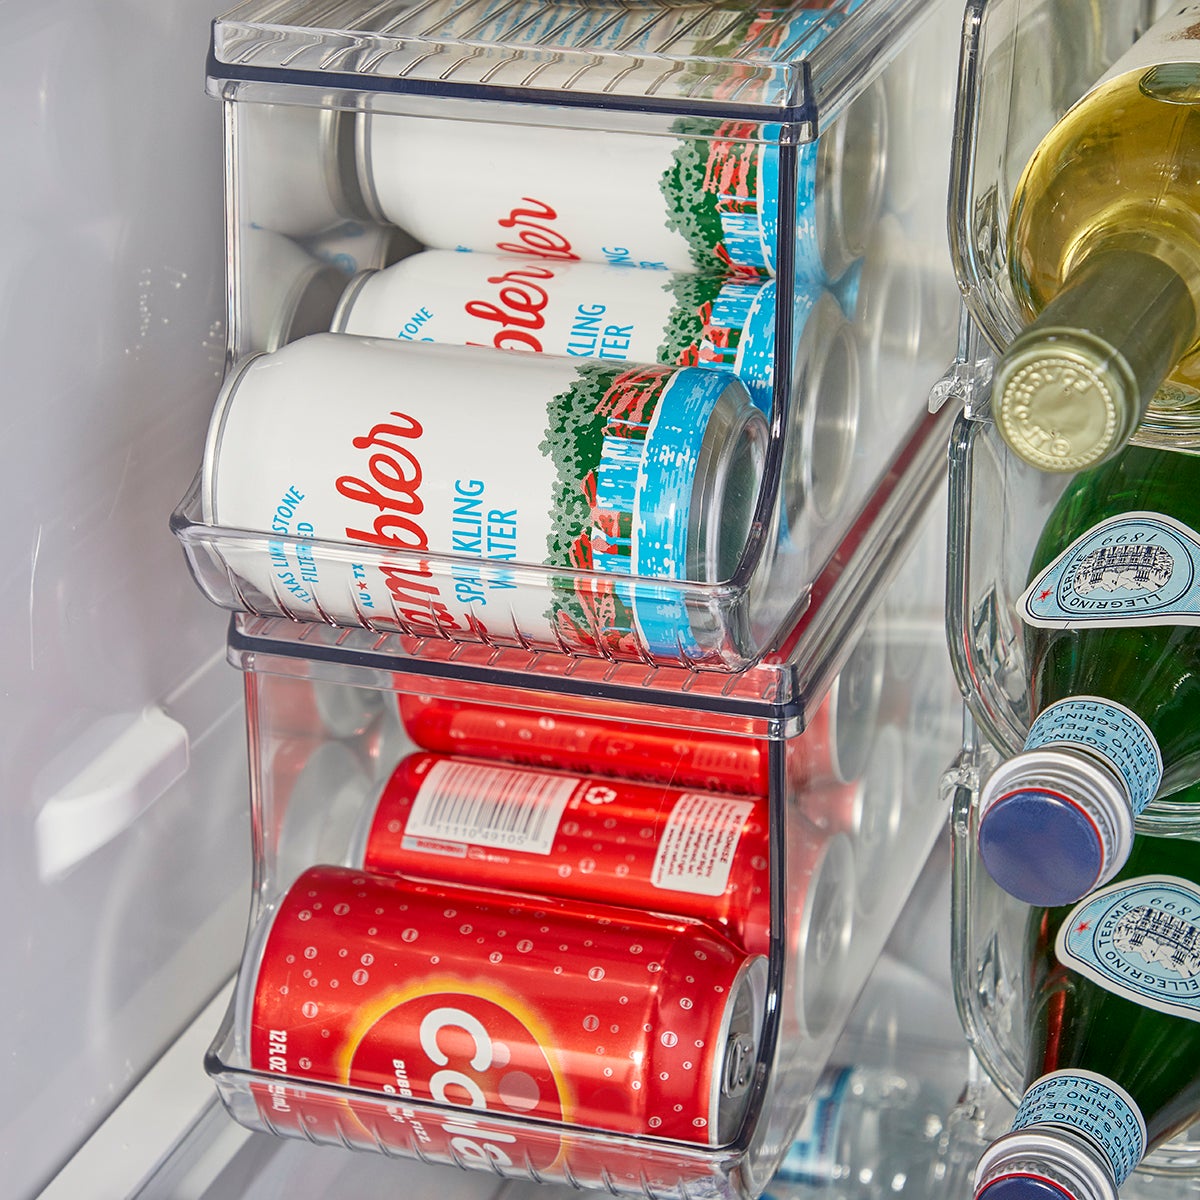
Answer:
(784, 685)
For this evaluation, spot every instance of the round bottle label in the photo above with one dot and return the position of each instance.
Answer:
(1139, 939)
(1137, 568)
(1092, 1106)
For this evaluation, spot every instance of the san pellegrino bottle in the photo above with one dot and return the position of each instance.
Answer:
(1112, 619)
(1113, 1062)
(1104, 253)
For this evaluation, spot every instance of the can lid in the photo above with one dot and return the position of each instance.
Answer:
(741, 1036)
(881, 802)
(851, 169)
(854, 699)
(1054, 824)
(824, 925)
(729, 468)
(823, 417)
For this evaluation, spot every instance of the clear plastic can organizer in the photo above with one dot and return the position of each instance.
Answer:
(562, 927)
(668, 282)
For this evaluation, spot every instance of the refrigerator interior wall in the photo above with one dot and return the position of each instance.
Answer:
(124, 826)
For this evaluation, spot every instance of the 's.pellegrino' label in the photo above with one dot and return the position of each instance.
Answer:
(1111, 730)
(1139, 939)
(1091, 1105)
(1138, 568)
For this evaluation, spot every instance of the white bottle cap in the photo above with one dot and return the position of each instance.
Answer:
(1041, 1162)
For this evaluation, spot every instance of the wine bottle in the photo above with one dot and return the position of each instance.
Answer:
(1104, 257)
(1113, 1022)
(1113, 650)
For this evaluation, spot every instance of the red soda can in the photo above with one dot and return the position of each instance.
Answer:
(868, 810)
(836, 743)
(602, 737)
(648, 846)
(518, 1007)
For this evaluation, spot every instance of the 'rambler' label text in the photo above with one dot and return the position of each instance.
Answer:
(392, 490)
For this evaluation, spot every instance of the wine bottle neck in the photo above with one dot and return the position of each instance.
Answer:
(1072, 387)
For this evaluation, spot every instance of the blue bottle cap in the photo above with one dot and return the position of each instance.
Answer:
(1041, 847)
(1024, 1187)
(1055, 822)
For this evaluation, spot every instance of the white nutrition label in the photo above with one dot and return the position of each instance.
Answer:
(696, 850)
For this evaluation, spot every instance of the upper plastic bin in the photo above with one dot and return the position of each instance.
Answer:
(758, 192)
(1023, 64)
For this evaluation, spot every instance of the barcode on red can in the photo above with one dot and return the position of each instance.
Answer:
(653, 847)
(474, 802)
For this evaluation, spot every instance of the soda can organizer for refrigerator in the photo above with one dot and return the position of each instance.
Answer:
(656, 196)
(998, 507)
(989, 964)
(720, 862)
(1023, 64)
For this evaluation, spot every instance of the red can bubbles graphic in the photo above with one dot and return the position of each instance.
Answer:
(648, 846)
(637, 1024)
(603, 737)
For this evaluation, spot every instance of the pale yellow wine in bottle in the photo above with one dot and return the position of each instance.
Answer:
(1104, 253)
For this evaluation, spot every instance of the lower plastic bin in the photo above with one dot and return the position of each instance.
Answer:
(832, 817)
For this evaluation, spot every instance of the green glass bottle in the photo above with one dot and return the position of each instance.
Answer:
(1112, 620)
(1113, 1022)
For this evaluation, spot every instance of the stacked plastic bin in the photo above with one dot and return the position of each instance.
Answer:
(794, 680)
(998, 503)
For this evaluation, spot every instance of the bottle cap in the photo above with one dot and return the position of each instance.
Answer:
(1059, 399)
(1054, 824)
(1072, 388)
(1042, 1163)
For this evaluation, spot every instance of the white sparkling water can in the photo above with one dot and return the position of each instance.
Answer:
(575, 309)
(409, 487)
(586, 309)
(705, 199)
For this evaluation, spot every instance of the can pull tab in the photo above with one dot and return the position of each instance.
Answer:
(740, 1053)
